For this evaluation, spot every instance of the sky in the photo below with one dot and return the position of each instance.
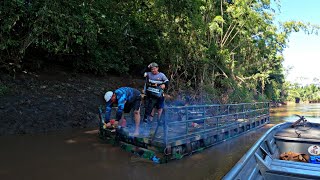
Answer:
(302, 56)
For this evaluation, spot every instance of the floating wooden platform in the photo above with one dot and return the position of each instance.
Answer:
(188, 129)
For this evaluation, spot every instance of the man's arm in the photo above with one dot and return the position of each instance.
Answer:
(121, 103)
(165, 81)
(108, 111)
(144, 71)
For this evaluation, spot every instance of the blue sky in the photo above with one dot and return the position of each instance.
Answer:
(302, 55)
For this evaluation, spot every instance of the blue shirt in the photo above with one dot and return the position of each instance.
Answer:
(123, 95)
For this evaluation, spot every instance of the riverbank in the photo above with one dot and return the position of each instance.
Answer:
(279, 104)
(54, 100)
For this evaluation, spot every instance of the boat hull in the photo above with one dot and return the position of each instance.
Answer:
(262, 160)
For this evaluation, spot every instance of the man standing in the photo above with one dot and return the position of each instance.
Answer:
(127, 98)
(156, 82)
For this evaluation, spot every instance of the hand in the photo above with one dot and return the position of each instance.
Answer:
(106, 125)
(112, 121)
(162, 86)
(149, 66)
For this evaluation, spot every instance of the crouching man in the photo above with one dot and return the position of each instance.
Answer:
(127, 98)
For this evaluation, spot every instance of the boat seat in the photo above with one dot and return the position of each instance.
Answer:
(289, 133)
(298, 169)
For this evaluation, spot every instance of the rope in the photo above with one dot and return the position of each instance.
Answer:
(303, 124)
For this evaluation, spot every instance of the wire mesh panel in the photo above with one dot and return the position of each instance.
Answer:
(182, 130)
(181, 124)
(193, 122)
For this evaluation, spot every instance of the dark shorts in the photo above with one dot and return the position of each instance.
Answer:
(152, 102)
(160, 103)
(135, 105)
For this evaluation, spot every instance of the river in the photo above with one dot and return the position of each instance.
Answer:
(78, 154)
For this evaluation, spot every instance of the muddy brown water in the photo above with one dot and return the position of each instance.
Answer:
(79, 154)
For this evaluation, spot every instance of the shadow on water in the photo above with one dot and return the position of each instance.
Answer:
(80, 155)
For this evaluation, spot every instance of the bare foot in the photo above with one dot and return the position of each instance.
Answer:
(136, 133)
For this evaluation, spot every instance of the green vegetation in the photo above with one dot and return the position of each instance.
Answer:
(3, 89)
(229, 51)
(308, 93)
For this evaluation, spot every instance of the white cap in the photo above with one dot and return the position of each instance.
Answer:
(108, 96)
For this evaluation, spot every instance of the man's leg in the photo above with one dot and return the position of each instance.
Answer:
(159, 113)
(137, 121)
(120, 123)
(136, 108)
(160, 106)
(148, 109)
(152, 114)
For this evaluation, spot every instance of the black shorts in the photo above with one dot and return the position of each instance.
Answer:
(135, 105)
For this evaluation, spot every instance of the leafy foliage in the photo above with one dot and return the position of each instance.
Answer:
(230, 51)
(308, 93)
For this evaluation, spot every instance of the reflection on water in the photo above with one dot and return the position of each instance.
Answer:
(80, 155)
(287, 113)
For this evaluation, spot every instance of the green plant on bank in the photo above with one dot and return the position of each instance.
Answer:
(3, 90)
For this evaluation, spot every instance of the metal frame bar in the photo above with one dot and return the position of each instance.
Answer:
(226, 115)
